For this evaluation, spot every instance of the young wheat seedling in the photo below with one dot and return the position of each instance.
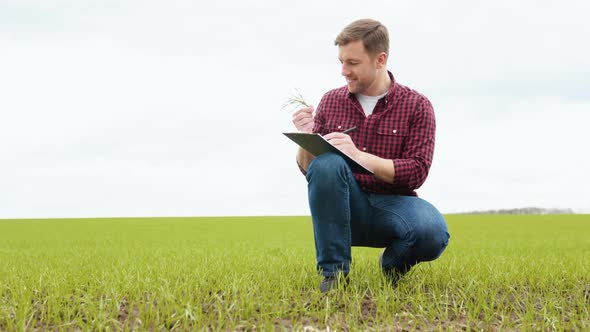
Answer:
(294, 101)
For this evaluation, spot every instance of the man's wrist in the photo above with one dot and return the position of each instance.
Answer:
(365, 159)
(382, 168)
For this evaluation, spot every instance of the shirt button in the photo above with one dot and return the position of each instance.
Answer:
(339, 127)
(395, 131)
(364, 148)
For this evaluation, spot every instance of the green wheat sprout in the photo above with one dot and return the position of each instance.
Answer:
(294, 101)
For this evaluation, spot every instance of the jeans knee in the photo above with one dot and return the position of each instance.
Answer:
(325, 166)
(432, 236)
(431, 243)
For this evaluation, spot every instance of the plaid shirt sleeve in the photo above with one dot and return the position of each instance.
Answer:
(412, 168)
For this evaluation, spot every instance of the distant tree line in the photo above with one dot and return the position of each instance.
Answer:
(527, 210)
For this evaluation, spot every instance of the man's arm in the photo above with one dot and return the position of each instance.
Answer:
(411, 169)
(304, 158)
(382, 168)
(306, 122)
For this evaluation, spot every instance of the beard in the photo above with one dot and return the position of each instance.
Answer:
(357, 85)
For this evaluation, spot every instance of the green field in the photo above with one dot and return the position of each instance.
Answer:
(498, 273)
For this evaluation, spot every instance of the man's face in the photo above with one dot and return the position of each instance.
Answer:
(358, 67)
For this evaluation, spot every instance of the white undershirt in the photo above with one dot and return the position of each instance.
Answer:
(368, 102)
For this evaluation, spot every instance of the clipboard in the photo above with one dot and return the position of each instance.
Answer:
(317, 145)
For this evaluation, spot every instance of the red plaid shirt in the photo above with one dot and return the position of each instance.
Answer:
(401, 128)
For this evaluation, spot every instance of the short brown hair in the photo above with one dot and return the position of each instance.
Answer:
(373, 34)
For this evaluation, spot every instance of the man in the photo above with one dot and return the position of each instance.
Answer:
(394, 137)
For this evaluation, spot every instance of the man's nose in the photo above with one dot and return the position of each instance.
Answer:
(344, 71)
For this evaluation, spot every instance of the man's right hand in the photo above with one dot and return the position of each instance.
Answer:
(303, 119)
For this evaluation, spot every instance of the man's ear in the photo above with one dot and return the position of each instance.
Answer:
(381, 60)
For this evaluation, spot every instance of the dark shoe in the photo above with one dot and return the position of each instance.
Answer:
(392, 274)
(333, 282)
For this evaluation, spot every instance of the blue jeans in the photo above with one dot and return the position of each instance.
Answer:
(410, 228)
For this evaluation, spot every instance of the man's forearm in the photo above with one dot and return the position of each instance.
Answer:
(304, 158)
(383, 168)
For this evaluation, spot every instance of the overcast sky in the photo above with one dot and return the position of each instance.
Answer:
(173, 108)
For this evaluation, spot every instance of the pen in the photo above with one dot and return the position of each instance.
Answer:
(348, 130)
